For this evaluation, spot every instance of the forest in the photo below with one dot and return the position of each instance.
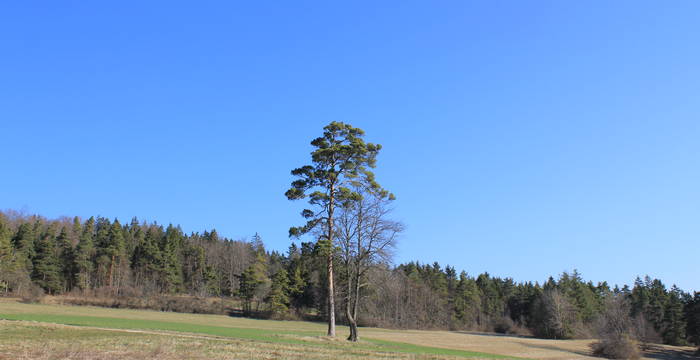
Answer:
(350, 260)
(137, 259)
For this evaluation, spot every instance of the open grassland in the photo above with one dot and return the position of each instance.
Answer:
(36, 331)
(28, 340)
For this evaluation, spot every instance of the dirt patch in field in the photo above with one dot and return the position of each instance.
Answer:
(517, 346)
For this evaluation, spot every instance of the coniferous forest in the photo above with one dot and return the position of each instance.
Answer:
(148, 265)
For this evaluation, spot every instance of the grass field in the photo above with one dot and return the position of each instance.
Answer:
(36, 331)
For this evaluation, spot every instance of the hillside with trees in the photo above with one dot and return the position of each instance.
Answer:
(148, 259)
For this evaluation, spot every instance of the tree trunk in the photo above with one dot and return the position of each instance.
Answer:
(331, 298)
(353, 329)
(354, 336)
(351, 312)
(111, 270)
(331, 291)
(354, 294)
(349, 302)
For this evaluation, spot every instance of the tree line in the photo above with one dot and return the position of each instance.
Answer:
(69, 255)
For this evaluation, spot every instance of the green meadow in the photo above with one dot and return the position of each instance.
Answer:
(30, 323)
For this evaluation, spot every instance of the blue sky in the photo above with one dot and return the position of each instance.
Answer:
(521, 138)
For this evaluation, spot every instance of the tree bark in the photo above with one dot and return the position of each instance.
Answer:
(352, 313)
(111, 271)
(331, 290)
(350, 303)
(355, 298)
(331, 298)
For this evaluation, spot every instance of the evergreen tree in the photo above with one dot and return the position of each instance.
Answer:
(692, 316)
(658, 296)
(172, 271)
(581, 295)
(115, 250)
(7, 255)
(278, 298)
(23, 243)
(521, 302)
(254, 280)
(147, 259)
(76, 231)
(492, 304)
(467, 303)
(132, 235)
(295, 271)
(257, 244)
(250, 281)
(66, 259)
(103, 252)
(46, 270)
(84, 254)
(674, 320)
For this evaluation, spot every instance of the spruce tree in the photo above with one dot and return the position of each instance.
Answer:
(172, 271)
(23, 243)
(674, 319)
(84, 254)
(250, 281)
(102, 251)
(76, 231)
(254, 279)
(692, 317)
(467, 305)
(278, 298)
(132, 235)
(46, 270)
(66, 259)
(147, 259)
(295, 273)
(115, 251)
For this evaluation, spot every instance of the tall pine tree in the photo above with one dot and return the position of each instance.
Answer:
(341, 156)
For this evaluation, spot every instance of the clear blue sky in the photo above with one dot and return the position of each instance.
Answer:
(522, 138)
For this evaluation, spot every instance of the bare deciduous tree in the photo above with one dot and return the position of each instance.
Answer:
(555, 316)
(615, 330)
(366, 237)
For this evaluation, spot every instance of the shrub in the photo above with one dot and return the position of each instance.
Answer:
(504, 325)
(32, 295)
(183, 304)
(616, 348)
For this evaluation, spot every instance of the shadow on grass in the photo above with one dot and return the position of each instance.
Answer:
(514, 336)
(663, 353)
(266, 315)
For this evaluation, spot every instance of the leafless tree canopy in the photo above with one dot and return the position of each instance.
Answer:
(366, 237)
